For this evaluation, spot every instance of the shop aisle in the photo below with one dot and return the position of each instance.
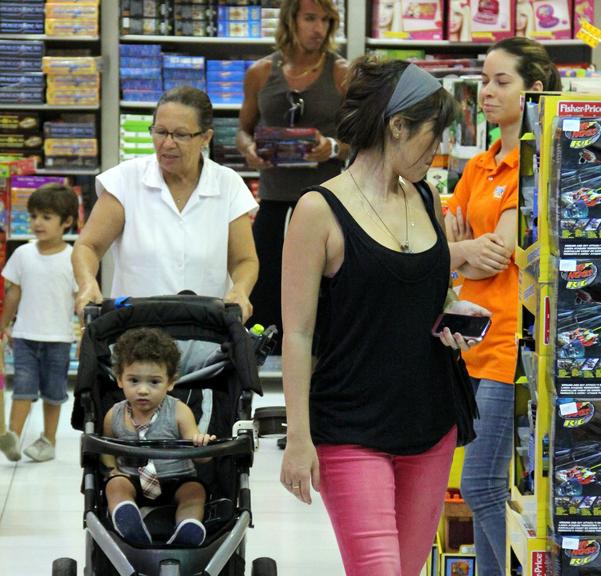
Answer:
(41, 510)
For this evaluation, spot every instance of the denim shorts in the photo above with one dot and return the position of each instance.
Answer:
(41, 369)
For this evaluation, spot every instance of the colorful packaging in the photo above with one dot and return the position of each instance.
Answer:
(407, 19)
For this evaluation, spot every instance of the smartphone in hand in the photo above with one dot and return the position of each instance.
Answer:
(470, 327)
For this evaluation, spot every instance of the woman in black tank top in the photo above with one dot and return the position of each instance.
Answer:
(373, 427)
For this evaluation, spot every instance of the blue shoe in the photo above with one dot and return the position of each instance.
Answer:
(189, 532)
(128, 522)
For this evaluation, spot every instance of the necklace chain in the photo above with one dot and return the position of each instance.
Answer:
(307, 70)
(404, 246)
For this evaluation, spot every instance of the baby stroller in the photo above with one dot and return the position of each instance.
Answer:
(229, 370)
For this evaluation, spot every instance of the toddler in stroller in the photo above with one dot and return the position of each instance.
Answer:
(230, 374)
(145, 361)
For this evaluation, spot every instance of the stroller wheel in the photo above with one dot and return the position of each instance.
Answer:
(64, 567)
(264, 567)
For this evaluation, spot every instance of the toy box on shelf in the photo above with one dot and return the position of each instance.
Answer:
(479, 20)
(544, 19)
(407, 19)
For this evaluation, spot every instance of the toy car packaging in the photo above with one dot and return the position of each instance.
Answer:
(576, 187)
(577, 338)
(577, 466)
(576, 555)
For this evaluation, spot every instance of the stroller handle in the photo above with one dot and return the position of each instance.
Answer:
(166, 449)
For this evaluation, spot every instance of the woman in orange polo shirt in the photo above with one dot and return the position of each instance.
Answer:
(482, 229)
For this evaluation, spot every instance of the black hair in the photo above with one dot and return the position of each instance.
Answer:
(150, 345)
(534, 62)
(361, 120)
(56, 198)
(192, 97)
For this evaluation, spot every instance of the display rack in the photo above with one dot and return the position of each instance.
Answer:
(530, 512)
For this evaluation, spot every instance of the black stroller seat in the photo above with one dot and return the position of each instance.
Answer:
(230, 373)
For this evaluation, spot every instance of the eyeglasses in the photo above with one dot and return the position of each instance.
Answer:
(297, 107)
(176, 136)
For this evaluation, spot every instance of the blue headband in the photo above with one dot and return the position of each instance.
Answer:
(413, 86)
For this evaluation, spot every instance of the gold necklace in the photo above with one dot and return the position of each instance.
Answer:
(403, 246)
(306, 71)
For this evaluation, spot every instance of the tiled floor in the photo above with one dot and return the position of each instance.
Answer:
(41, 510)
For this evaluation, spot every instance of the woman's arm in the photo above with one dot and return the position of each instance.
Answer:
(242, 264)
(505, 232)
(304, 261)
(100, 231)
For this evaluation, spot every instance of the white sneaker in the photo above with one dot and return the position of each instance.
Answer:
(41, 450)
(9, 444)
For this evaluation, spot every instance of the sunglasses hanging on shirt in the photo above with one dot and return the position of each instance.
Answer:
(297, 107)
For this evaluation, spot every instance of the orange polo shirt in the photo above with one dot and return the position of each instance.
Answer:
(484, 192)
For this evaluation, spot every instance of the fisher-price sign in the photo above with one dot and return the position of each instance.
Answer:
(539, 563)
(582, 109)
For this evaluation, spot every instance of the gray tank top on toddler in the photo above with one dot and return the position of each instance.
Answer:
(321, 102)
(163, 428)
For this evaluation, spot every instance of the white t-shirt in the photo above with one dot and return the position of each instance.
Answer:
(45, 311)
(162, 251)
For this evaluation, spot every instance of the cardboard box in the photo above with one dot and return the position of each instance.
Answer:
(407, 19)
(575, 187)
(575, 555)
(576, 490)
(480, 20)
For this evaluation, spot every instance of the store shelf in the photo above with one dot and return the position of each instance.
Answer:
(399, 42)
(202, 40)
(522, 541)
(150, 105)
(27, 237)
(42, 107)
(45, 37)
(67, 171)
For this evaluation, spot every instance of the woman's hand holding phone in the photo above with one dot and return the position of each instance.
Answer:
(457, 340)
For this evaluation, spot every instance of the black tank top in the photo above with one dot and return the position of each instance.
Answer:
(321, 102)
(382, 380)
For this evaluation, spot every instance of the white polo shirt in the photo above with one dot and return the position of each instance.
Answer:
(162, 251)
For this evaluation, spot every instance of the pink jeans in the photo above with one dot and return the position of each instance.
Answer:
(384, 509)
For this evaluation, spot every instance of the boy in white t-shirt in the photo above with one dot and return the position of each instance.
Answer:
(40, 291)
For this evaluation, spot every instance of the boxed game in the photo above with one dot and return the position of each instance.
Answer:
(72, 10)
(285, 147)
(21, 26)
(21, 49)
(145, 51)
(19, 121)
(575, 555)
(19, 10)
(583, 10)
(480, 20)
(241, 13)
(206, 28)
(71, 64)
(575, 187)
(578, 313)
(576, 489)
(239, 29)
(226, 65)
(548, 19)
(75, 27)
(407, 19)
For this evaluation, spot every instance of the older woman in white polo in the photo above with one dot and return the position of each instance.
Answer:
(175, 220)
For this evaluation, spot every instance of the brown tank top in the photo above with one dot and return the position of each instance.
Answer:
(322, 101)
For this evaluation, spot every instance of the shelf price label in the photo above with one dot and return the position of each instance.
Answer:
(589, 34)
